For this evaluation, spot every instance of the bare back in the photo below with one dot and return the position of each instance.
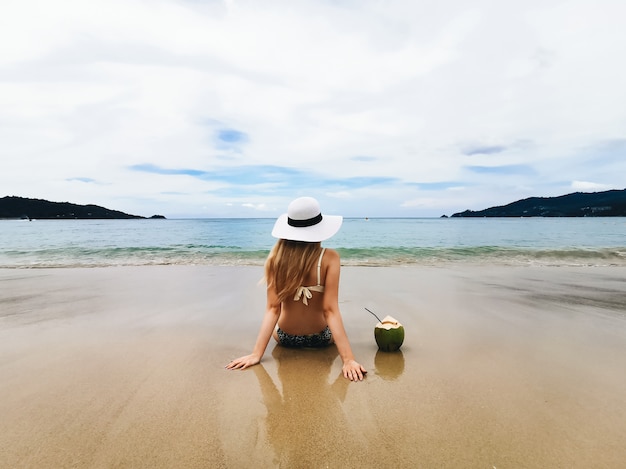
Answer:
(299, 318)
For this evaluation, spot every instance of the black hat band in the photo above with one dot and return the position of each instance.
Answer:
(304, 223)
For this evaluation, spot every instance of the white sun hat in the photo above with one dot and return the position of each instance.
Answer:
(304, 222)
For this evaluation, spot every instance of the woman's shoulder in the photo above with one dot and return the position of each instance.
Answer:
(331, 255)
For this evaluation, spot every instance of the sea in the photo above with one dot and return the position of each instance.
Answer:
(361, 242)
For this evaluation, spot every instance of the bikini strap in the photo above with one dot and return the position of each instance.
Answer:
(319, 266)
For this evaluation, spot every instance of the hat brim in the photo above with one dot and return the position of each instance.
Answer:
(321, 231)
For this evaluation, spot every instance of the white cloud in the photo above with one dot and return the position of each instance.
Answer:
(410, 91)
(586, 186)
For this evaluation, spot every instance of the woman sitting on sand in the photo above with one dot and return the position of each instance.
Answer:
(298, 315)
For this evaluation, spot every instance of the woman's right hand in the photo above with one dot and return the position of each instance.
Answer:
(353, 370)
(244, 362)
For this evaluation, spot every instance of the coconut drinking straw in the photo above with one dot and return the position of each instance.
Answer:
(373, 315)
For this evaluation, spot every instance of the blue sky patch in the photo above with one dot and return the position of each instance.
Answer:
(364, 158)
(484, 150)
(275, 177)
(152, 168)
(231, 136)
(81, 179)
(511, 169)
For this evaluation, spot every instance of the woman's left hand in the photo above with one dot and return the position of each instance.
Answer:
(242, 363)
(353, 370)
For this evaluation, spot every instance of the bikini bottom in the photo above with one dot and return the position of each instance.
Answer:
(321, 339)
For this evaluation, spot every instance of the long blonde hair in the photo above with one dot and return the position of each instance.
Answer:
(288, 264)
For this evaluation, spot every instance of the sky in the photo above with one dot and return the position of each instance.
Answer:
(227, 108)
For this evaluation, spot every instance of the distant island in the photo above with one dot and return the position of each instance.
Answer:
(579, 204)
(23, 208)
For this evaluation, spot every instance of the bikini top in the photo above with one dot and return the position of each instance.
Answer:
(305, 292)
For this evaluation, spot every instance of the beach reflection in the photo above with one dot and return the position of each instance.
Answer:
(306, 424)
(389, 365)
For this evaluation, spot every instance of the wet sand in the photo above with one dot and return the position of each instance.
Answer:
(501, 367)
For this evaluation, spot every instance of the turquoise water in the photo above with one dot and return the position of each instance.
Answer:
(375, 242)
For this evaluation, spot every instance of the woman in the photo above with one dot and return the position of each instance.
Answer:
(303, 288)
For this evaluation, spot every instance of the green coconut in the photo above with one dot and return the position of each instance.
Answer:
(389, 334)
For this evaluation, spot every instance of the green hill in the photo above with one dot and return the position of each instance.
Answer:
(579, 204)
(20, 207)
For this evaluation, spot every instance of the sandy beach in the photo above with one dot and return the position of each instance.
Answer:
(502, 367)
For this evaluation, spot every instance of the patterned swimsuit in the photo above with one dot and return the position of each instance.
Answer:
(321, 339)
